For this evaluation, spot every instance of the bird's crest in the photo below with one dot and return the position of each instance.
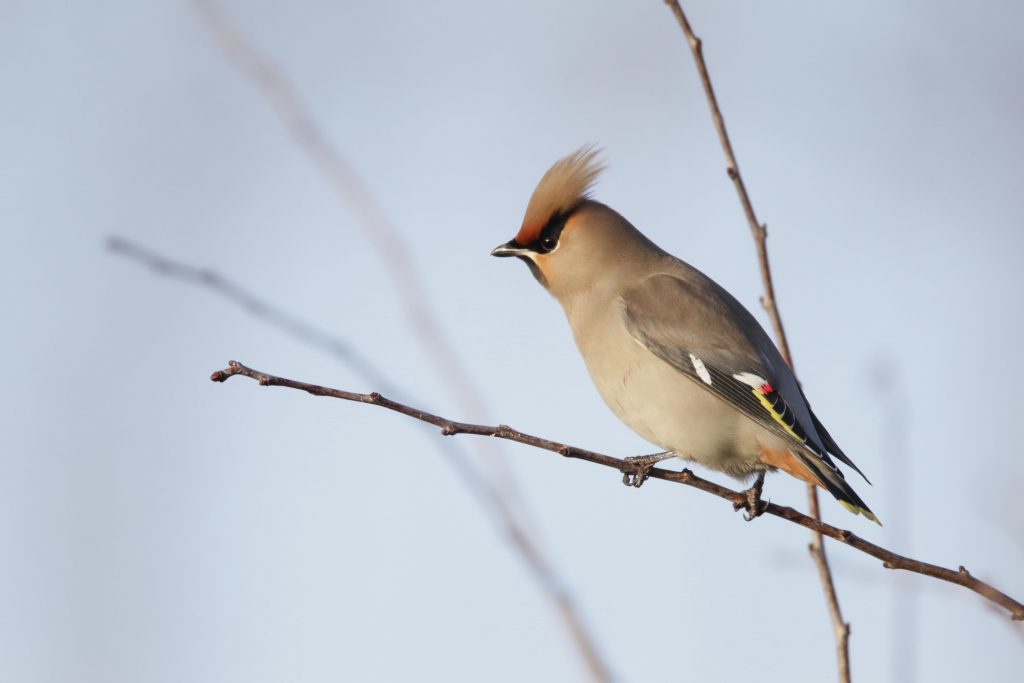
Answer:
(563, 187)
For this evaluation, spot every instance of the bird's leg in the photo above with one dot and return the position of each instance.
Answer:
(644, 463)
(753, 504)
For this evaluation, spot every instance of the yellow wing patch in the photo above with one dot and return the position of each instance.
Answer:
(776, 415)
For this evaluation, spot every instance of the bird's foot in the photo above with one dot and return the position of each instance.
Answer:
(753, 504)
(642, 467)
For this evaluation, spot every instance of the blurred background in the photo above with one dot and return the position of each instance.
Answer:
(155, 526)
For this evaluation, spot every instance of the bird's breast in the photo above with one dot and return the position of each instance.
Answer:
(659, 403)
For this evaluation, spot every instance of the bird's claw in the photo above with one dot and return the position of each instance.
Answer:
(752, 504)
(751, 516)
(636, 479)
(642, 467)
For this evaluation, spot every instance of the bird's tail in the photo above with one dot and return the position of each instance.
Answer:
(831, 479)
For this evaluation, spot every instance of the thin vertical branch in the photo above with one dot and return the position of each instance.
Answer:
(840, 628)
(894, 448)
(759, 231)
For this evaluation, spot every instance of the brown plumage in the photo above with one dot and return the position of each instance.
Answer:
(562, 189)
(790, 464)
(676, 357)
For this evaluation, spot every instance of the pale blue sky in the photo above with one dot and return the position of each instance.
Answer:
(157, 527)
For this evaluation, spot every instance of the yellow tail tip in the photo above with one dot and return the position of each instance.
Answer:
(860, 511)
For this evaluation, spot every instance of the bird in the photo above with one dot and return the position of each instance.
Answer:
(674, 355)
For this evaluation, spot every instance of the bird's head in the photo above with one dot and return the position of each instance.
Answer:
(569, 241)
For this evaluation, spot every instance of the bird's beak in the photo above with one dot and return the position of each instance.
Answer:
(510, 248)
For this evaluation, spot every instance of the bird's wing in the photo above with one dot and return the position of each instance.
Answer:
(704, 333)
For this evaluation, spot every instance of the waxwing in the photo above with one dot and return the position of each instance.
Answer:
(675, 356)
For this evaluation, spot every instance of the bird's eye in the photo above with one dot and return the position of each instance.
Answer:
(548, 243)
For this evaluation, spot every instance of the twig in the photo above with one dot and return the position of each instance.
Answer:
(840, 628)
(759, 231)
(483, 491)
(890, 560)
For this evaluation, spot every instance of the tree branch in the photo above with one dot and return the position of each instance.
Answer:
(759, 231)
(890, 560)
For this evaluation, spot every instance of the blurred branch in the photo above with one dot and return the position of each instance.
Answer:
(894, 449)
(547, 577)
(759, 231)
(890, 560)
(251, 303)
(349, 187)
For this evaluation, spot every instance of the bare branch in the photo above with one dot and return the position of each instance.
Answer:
(484, 492)
(890, 560)
(759, 231)
(840, 628)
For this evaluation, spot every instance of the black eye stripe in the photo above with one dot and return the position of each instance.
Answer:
(550, 235)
